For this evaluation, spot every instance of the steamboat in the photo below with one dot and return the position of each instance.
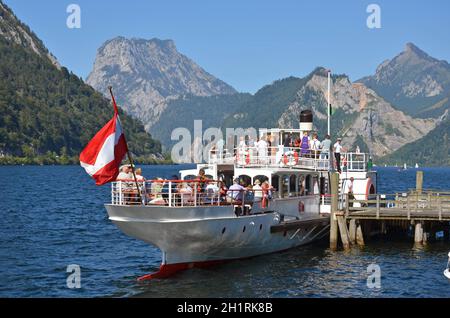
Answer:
(195, 222)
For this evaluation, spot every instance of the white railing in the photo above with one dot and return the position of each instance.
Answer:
(290, 157)
(181, 193)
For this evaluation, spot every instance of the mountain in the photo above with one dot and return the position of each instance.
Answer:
(412, 81)
(431, 150)
(360, 116)
(146, 74)
(211, 110)
(47, 112)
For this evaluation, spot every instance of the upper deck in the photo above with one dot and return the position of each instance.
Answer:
(290, 157)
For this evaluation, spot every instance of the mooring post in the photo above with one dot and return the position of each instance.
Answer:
(352, 231)
(419, 182)
(344, 232)
(334, 186)
(359, 235)
(418, 233)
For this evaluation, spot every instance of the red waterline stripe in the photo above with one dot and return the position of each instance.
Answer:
(166, 270)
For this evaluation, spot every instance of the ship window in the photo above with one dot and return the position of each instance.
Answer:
(285, 186)
(308, 185)
(243, 230)
(260, 227)
(315, 185)
(292, 183)
(275, 180)
(190, 177)
(223, 230)
(301, 185)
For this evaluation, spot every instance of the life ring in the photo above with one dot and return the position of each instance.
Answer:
(301, 207)
(290, 158)
(296, 157)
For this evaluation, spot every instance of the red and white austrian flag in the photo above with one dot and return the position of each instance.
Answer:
(102, 156)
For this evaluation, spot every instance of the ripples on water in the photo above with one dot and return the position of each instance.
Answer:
(54, 216)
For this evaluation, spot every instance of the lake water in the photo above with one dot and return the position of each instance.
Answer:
(53, 216)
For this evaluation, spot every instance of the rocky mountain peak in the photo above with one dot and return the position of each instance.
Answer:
(15, 31)
(411, 81)
(147, 73)
(410, 48)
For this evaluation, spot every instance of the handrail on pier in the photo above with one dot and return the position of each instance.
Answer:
(424, 204)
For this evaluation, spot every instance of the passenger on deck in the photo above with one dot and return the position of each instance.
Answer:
(287, 142)
(337, 148)
(139, 176)
(222, 190)
(202, 180)
(125, 173)
(267, 194)
(262, 151)
(349, 191)
(128, 188)
(235, 193)
(211, 193)
(241, 150)
(156, 192)
(186, 193)
(325, 147)
(304, 151)
(315, 146)
(257, 190)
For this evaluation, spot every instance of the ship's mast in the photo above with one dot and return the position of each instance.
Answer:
(329, 102)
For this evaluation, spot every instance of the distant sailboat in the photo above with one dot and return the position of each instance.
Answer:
(404, 166)
(417, 165)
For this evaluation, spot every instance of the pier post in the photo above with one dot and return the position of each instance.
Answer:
(344, 232)
(359, 235)
(334, 186)
(419, 182)
(352, 231)
(418, 233)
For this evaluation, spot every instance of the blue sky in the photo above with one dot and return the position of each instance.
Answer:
(247, 43)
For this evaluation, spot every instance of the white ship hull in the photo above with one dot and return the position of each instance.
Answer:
(189, 236)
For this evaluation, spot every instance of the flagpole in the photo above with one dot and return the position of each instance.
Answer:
(128, 151)
(329, 102)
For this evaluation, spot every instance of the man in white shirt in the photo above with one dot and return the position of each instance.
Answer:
(235, 192)
(262, 150)
(257, 190)
(349, 190)
(337, 148)
(315, 146)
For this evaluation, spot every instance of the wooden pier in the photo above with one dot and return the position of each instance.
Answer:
(425, 211)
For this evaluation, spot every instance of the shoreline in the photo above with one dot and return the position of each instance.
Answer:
(72, 161)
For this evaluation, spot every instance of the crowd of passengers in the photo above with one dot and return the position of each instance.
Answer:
(199, 191)
(306, 146)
